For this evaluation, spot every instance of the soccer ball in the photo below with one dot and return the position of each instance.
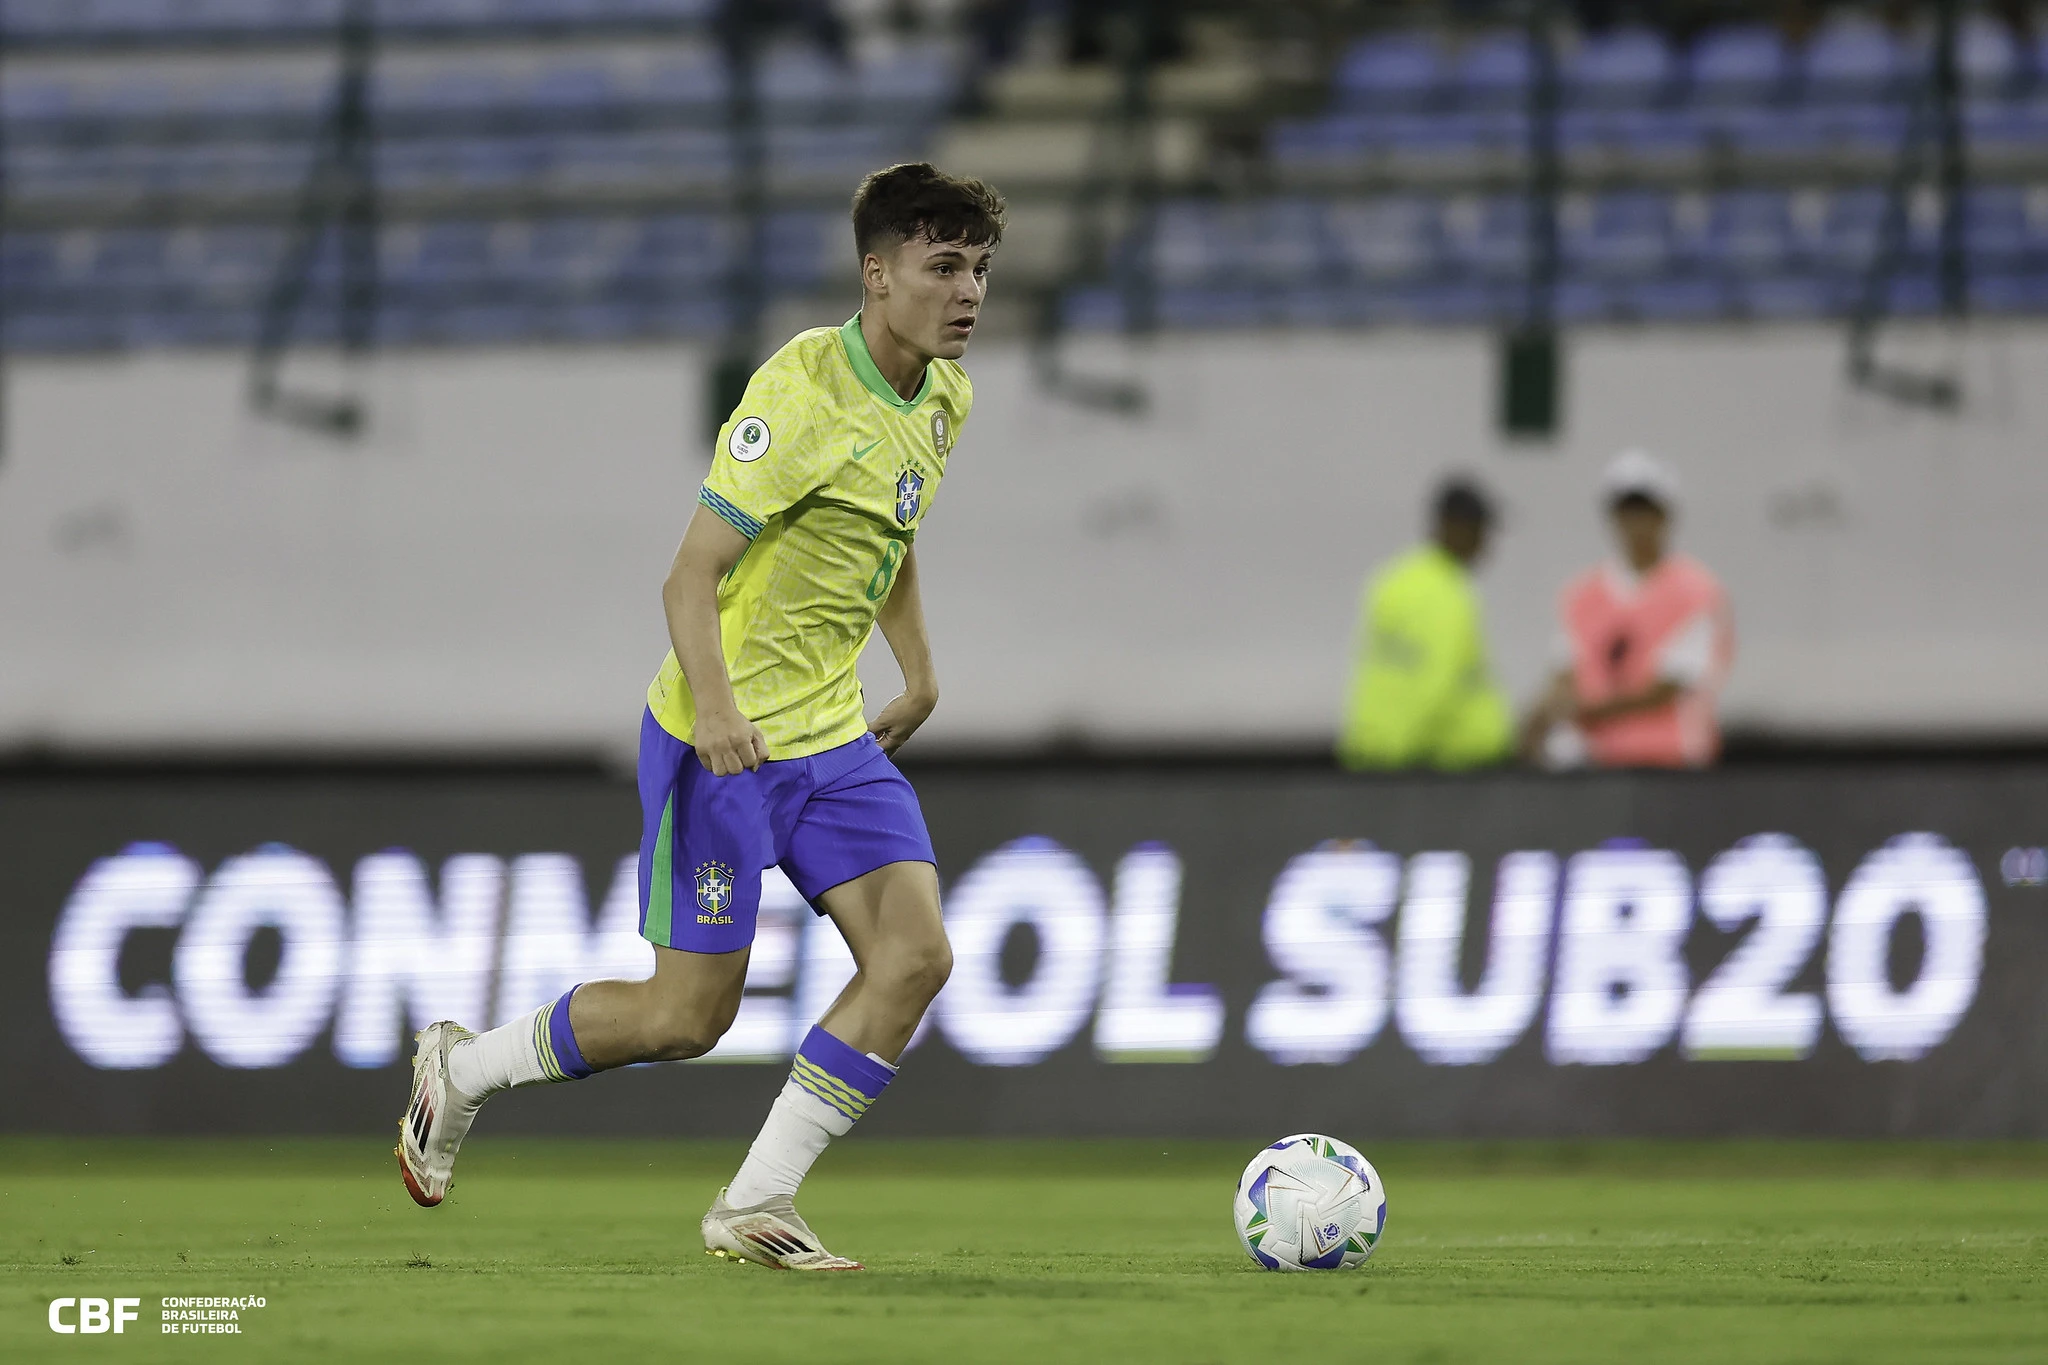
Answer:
(1310, 1202)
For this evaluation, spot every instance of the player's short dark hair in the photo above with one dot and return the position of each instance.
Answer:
(1459, 498)
(919, 201)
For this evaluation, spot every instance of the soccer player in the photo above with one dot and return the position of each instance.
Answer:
(755, 749)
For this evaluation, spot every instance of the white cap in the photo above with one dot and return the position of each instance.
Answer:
(1635, 473)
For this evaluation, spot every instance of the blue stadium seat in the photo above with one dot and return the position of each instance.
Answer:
(62, 330)
(1916, 294)
(1644, 135)
(452, 253)
(1305, 144)
(265, 95)
(580, 257)
(458, 87)
(1092, 309)
(1283, 240)
(1493, 69)
(1739, 64)
(2006, 126)
(1486, 236)
(1189, 245)
(1849, 230)
(1788, 297)
(1450, 302)
(1990, 60)
(1579, 299)
(921, 76)
(128, 16)
(2005, 294)
(687, 77)
(1389, 237)
(1852, 57)
(1440, 137)
(1677, 299)
(797, 76)
(32, 18)
(2001, 232)
(1391, 71)
(671, 157)
(1802, 132)
(130, 258)
(27, 256)
(1870, 129)
(31, 95)
(444, 13)
(1215, 306)
(232, 262)
(1745, 232)
(806, 247)
(1623, 66)
(1623, 235)
(689, 249)
(1275, 241)
(578, 85)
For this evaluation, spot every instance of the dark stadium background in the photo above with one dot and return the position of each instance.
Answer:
(360, 360)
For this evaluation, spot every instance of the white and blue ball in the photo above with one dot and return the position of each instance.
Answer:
(1310, 1202)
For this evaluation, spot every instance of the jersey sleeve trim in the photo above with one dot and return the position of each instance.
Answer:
(746, 525)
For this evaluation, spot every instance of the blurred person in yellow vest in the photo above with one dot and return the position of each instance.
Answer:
(1422, 694)
(1647, 641)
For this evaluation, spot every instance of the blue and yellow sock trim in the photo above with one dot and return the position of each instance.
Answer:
(560, 1058)
(835, 1073)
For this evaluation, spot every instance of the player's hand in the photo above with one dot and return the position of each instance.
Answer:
(899, 720)
(727, 742)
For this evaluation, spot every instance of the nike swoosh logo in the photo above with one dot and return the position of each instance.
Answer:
(860, 452)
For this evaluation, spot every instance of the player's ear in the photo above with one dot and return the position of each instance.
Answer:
(874, 273)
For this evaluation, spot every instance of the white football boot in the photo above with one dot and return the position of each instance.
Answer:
(769, 1233)
(437, 1118)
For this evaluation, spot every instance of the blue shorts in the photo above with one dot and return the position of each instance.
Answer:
(705, 841)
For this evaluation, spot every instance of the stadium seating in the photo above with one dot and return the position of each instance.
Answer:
(574, 189)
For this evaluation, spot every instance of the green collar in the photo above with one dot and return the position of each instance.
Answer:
(870, 373)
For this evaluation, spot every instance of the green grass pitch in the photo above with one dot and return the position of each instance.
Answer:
(1040, 1252)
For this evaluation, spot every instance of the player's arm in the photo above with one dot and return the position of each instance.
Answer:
(726, 741)
(1556, 706)
(902, 621)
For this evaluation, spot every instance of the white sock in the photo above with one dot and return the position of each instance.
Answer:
(500, 1058)
(798, 1128)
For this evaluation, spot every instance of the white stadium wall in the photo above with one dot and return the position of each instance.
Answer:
(482, 570)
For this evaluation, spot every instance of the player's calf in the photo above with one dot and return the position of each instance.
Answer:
(454, 1071)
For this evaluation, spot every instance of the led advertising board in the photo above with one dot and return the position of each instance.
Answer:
(1200, 950)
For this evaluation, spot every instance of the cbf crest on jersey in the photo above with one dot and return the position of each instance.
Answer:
(751, 438)
(909, 496)
(714, 888)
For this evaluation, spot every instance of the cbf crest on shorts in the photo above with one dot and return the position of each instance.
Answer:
(909, 493)
(714, 893)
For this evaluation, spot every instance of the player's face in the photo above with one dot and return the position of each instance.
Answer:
(933, 293)
(1642, 529)
(1463, 537)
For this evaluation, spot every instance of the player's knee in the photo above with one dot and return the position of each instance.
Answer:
(679, 1032)
(919, 971)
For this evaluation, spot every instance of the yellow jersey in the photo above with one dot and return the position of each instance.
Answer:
(828, 473)
(1422, 693)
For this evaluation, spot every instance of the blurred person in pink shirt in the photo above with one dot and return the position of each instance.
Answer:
(1646, 644)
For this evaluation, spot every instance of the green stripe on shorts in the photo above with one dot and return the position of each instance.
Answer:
(661, 885)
